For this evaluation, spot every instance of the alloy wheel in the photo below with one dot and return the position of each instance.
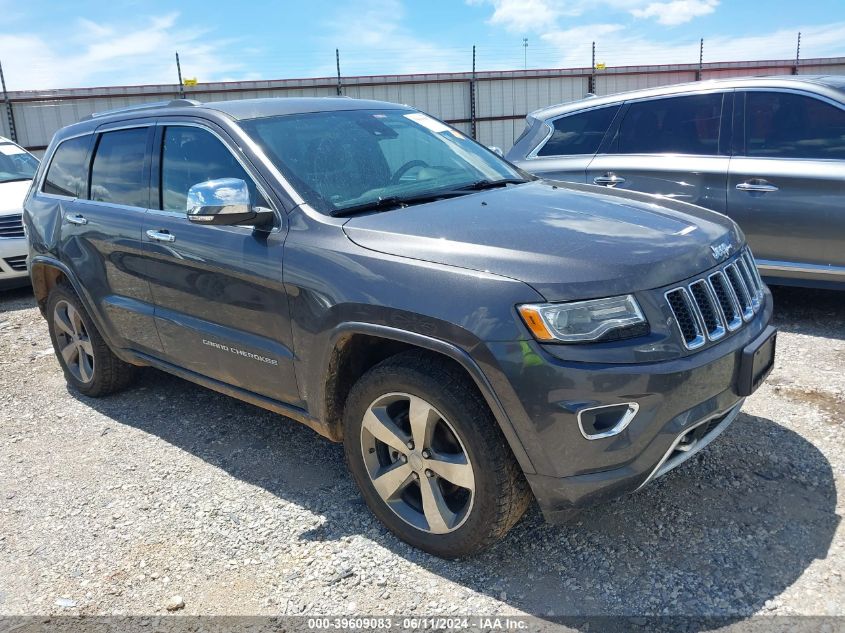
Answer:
(417, 463)
(73, 341)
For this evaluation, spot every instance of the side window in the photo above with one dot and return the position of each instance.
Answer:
(189, 156)
(579, 133)
(677, 125)
(785, 125)
(66, 175)
(117, 173)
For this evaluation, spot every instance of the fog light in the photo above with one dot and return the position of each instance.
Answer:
(607, 420)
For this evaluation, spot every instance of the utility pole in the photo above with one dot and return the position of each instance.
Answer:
(472, 95)
(700, 60)
(12, 130)
(591, 87)
(337, 60)
(179, 73)
(525, 53)
(797, 55)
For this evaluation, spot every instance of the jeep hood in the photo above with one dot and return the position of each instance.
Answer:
(566, 241)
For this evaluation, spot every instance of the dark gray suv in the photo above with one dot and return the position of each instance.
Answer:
(475, 337)
(767, 151)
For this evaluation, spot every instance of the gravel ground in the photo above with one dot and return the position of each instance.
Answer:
(119, 505)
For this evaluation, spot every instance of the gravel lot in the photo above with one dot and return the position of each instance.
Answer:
(115, 506)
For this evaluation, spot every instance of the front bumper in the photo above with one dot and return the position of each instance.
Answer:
(13, 269)
(702, 391)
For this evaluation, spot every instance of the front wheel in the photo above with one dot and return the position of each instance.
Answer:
(429, 458)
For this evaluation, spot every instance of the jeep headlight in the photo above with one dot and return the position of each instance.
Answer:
(590, 321)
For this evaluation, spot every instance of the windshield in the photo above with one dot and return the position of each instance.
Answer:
(16, 163)
(353, 158)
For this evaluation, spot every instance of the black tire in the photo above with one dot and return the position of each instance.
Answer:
(501, 494)
(106, 373)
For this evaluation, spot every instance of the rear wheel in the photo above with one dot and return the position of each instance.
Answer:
(429, 458)
(89, 365)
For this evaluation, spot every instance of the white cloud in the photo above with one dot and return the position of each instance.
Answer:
(677, 11)
(137, 52)
(618, 45)
(373, 39)
(526, 16)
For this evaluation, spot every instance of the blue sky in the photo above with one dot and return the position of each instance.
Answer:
(56, 44)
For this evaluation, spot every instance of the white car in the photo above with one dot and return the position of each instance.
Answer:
(17, 168)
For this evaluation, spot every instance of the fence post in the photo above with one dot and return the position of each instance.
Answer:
(179, 73)
(797, 55)
(591, 84)
(337, 61)
(9, 113)
(472, 96)
(700, 60)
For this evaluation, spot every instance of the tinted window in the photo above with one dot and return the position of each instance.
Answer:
(190, 156)
(792, 126)
(579, 133)
(66, 175)
(117, 174)
(678, 125)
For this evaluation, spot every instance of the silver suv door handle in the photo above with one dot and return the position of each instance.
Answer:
(609, 180)
(77, 219)
(161, 236)
(758, 185)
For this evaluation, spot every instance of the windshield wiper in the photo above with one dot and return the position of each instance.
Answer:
(491, 184)
(390, 202)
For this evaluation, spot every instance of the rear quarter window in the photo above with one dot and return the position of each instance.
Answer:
(67, 172)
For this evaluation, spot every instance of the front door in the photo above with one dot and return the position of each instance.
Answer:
(221, 307)
(670, 146)
(787, 184)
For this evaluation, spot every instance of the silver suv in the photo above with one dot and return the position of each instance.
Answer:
(769, 152)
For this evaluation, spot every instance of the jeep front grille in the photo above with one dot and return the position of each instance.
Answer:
(710, 307)
(11, 226)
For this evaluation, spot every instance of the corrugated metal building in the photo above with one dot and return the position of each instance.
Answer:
(502, 99)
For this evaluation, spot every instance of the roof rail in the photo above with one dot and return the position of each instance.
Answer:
(173, 103)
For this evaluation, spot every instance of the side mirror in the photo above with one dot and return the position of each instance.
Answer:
(224, 202)
(496, 150)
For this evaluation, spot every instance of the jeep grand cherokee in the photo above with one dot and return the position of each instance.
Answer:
(476, 338)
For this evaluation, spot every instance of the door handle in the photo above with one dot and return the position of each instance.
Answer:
(756, 185)
(76, 219)
(608, 180)
(161, 236)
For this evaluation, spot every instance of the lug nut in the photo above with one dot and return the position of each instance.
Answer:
(429, 473)
(411, 445)
(416, 475)
(426, 454)
(404, 459)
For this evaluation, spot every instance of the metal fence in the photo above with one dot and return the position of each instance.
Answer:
(489, 105)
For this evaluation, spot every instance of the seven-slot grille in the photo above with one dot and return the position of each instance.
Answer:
(708, 308)
(11, 226)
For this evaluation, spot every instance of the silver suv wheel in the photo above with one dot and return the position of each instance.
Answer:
(417, 463)
(73, 341)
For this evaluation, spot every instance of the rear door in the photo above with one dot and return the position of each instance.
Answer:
(221, 306)
(101, 232)
(571, 144)
(787, 182)
(672, 146)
